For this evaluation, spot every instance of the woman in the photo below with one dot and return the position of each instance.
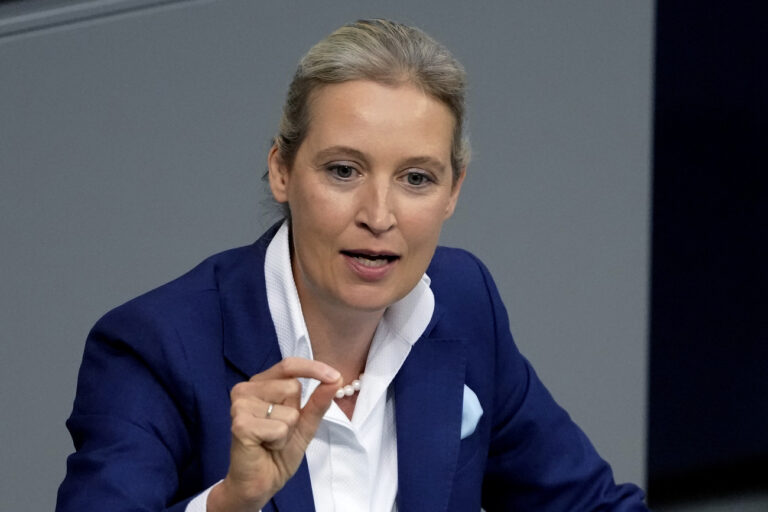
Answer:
(343, 361)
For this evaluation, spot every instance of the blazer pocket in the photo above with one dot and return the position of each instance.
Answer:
(471, 412)
(472, 443)
(470, 450)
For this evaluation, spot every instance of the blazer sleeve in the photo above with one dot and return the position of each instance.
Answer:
(130, 422)
(538, 457)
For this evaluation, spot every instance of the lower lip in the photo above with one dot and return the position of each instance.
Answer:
(369, 273)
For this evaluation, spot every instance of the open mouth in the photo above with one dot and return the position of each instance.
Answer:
(371, 260)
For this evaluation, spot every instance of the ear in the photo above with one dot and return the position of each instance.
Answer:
(451, 206)
(279, 175)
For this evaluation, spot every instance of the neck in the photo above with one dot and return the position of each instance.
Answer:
(342, 341)
(340, 338)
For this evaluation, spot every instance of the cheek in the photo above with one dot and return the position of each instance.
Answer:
(422, 228)
(310, 205)
(319, 218)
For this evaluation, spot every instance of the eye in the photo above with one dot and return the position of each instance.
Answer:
(417, 179)
(341, 171)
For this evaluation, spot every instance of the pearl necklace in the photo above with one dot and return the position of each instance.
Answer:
(350, 389)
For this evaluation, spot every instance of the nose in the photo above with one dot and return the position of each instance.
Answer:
(375, 211)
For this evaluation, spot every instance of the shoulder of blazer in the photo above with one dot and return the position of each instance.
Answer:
(464, 290)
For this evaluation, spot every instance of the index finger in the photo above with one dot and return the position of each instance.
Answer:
(298, 367)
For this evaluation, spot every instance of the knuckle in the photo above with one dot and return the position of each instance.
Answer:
(294, 387)
(239, 407)
(256, 377)
(288, 364)
(239, 390)
(240, 427)
(292, 417)
(281, 430)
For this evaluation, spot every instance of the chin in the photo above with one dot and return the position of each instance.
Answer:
(368, 305)
(369, 301)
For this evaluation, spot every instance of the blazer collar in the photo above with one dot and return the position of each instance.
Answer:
(249, 338)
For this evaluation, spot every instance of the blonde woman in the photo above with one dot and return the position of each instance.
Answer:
(343, 361)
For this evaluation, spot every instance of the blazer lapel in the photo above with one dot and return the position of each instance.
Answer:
(249, 337)
(250, 345)
(429, 390)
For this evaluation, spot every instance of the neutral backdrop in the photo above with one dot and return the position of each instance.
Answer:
(133, 137)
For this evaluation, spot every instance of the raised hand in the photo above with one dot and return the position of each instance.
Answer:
(270, 432)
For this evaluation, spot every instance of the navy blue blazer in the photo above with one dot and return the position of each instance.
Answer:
(151, 421)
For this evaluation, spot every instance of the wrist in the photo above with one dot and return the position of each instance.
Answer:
(224, 497)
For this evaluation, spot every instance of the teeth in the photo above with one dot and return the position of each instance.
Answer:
(373, 263)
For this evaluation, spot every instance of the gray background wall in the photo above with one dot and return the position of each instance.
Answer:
(133, 135)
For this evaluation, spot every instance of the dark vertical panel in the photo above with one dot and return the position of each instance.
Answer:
(708, 427)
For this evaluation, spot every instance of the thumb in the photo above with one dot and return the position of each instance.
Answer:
(315, 408)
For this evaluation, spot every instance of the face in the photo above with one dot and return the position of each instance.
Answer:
(369, 189)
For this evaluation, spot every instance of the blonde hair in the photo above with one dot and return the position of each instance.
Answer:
(385, 52)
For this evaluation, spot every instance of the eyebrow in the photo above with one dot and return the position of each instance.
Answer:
(331, 151)
(346, 150)
(437, 165)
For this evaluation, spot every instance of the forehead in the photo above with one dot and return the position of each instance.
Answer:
(374, 117)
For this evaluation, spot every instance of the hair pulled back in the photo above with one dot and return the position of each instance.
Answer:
(385, 52)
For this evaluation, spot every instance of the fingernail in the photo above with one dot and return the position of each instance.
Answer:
(332, 374)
